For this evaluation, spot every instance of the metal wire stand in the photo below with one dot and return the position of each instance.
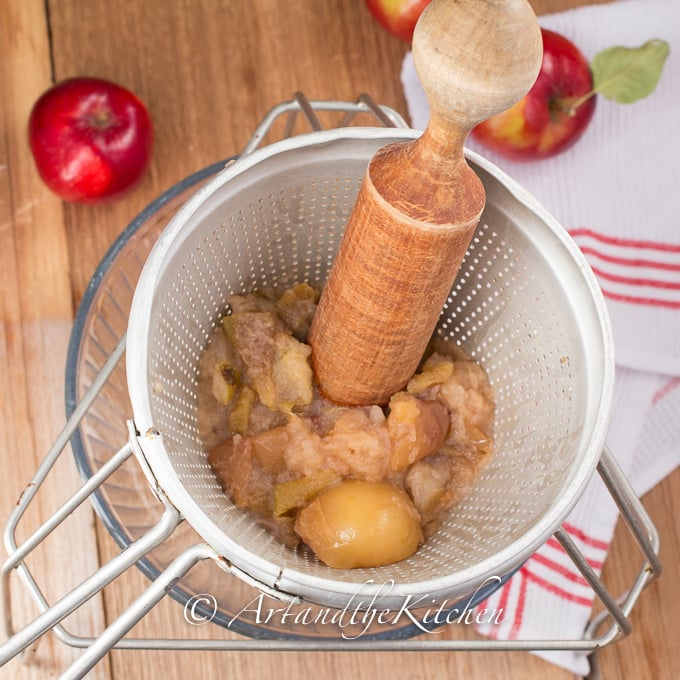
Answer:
(614, 620)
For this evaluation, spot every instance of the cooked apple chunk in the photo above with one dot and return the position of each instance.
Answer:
(417, 429)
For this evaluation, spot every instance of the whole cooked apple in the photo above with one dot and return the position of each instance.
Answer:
(91, 139)
(399, 17)
(553, 114)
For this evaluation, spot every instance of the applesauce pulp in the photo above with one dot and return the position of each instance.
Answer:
(360, 486)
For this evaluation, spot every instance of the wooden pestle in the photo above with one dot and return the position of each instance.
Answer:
(420, 202)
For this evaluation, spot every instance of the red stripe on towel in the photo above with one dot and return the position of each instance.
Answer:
(556, 590)
(633, 300)
(559, 569)
(671, 385)
(633, 281)
(626, 242)
(521, 604)
(554, 543)
(629, 261)
(584, 538)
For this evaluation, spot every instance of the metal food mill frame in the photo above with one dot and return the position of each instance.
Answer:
(609, 625)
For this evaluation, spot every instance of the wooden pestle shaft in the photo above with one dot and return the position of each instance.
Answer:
(420, 202)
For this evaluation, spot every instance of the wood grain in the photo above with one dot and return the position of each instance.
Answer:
(35, 321)
(209, 70)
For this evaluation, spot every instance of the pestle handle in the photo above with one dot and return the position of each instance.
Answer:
(474, 58)
(420, 202)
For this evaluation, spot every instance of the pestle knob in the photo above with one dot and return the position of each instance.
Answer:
(420, 202)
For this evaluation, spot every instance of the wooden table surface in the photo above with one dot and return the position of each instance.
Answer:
(208, 70)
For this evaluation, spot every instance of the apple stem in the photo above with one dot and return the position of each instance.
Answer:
(569, 106)
(102, 118)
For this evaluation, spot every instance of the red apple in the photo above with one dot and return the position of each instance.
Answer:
(553, 114)
(91, 139)
(397, 16)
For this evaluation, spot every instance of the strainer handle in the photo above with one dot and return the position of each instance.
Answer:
(139, 608)
(54, 614)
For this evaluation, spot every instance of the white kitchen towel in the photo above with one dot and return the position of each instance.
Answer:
(617, 191)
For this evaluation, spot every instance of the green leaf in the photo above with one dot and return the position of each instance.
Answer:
(627, 74)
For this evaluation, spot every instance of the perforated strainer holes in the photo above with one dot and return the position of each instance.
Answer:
(502, 313)
(291, 235)
(489, 274)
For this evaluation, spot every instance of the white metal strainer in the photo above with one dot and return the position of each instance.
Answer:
(525, 305)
